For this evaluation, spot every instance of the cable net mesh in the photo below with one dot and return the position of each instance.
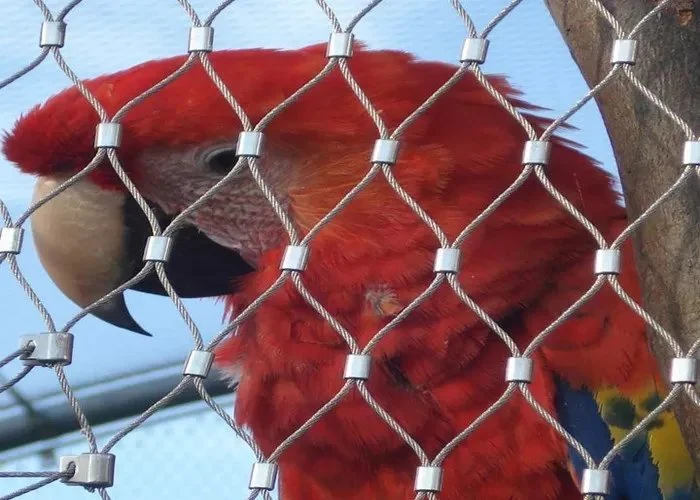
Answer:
(339, 60)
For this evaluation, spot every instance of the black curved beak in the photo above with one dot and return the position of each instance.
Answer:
(91, 242)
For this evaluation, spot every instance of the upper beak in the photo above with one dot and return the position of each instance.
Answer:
(90, 241)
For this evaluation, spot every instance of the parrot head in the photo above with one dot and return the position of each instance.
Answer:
(180, 141)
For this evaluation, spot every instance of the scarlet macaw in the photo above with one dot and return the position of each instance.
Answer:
(442, 366)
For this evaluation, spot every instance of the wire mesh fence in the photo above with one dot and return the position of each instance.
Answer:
(94, 469)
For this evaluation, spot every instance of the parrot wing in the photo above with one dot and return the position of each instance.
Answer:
(599, 406)
(654, 466)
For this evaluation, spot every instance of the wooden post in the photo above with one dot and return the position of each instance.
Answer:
(648, 148)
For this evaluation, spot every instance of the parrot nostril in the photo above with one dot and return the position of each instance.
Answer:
(221, 161)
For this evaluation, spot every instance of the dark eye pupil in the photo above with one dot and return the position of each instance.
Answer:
(222, 162)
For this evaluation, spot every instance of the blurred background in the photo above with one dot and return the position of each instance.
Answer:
(186, 451)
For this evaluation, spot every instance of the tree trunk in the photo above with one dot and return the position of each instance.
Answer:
(648, 149)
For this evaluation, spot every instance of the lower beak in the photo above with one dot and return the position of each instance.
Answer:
(90, 241)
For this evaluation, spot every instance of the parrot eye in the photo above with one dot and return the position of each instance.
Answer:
(221, 161)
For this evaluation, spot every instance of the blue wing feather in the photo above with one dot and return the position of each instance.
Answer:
(635, 474)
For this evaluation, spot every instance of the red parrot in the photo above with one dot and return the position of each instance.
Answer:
(438, 369)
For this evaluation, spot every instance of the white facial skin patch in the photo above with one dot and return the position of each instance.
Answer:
(238, 216)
